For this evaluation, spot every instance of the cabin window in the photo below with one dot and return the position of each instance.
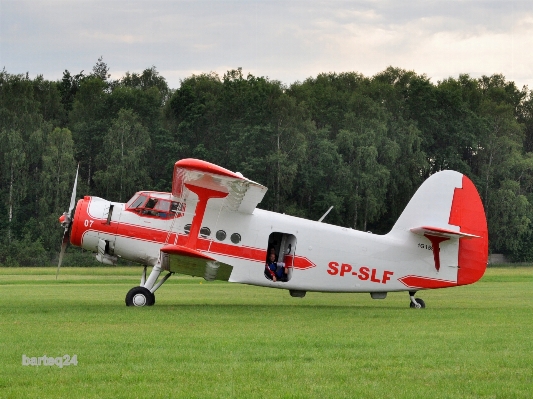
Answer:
(162, 206)
(151, 203)
(235, 238)
(155, 205)
(150, 206)
(205, 231)
(221, 235)
(187, 228)
(128, 204)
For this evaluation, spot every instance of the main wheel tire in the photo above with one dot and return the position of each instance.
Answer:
(419, 301)
(140, 296)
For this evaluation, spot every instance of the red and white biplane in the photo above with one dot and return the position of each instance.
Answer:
(210, 226)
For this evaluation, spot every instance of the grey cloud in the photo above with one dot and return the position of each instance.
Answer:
(286, 40)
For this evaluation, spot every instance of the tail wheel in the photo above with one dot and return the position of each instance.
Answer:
(419, 301)
(140, 296)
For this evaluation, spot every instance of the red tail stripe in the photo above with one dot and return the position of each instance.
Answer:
(468, 213)
(425, 282)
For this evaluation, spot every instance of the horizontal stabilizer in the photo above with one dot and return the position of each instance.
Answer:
(440, 232)
(437, 235)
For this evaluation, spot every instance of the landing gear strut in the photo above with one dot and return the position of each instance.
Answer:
(144, 294)
(416, 303)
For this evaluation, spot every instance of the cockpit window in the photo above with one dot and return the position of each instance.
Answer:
(151, 203)
(148, 204)
(162, 206)
(138, 202)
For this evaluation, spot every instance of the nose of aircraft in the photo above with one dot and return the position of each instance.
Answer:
(77, 223)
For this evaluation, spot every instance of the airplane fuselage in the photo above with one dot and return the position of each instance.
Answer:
(321, 257)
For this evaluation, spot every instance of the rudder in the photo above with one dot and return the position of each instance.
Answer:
(468, 213)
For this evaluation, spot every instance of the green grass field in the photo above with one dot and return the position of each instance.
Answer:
(213, 340)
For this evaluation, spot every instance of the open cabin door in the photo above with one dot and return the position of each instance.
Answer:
(283, 246)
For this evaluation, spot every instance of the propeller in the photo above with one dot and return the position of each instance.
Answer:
(66, 222)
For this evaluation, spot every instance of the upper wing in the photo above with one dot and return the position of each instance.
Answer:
(207, 181)
(243, 194)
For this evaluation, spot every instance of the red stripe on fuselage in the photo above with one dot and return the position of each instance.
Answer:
(157, 236)
(298, 262)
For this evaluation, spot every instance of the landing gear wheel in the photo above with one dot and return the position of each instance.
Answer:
(140, 296)
(419, 301)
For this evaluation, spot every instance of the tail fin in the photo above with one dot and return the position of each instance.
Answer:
(447, 206)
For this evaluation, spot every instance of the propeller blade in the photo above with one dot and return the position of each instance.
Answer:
(66, 221)
(73, 198)
(66, 237)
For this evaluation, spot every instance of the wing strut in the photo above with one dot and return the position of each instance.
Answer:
(325, 214)
(204, 194)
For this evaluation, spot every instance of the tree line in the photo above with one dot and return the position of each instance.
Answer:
(362, 144)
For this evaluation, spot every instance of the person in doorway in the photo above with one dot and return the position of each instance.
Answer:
(271, 250)
(276, 271)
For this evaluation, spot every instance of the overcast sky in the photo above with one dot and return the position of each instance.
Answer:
(284, 40)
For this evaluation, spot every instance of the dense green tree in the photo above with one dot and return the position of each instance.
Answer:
(68, 87)
(58, 170)
(47, 94)
(321, 179)
(147, 79)
(88, 122)
(122, 163)
(329, 97)
(101, 70)
(13, 178)
(368, 178)
(57, 177)
(526, 118)
(510, 218)
(21, 123)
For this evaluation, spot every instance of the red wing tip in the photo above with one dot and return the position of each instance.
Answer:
(208, 167)
(184, 251)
